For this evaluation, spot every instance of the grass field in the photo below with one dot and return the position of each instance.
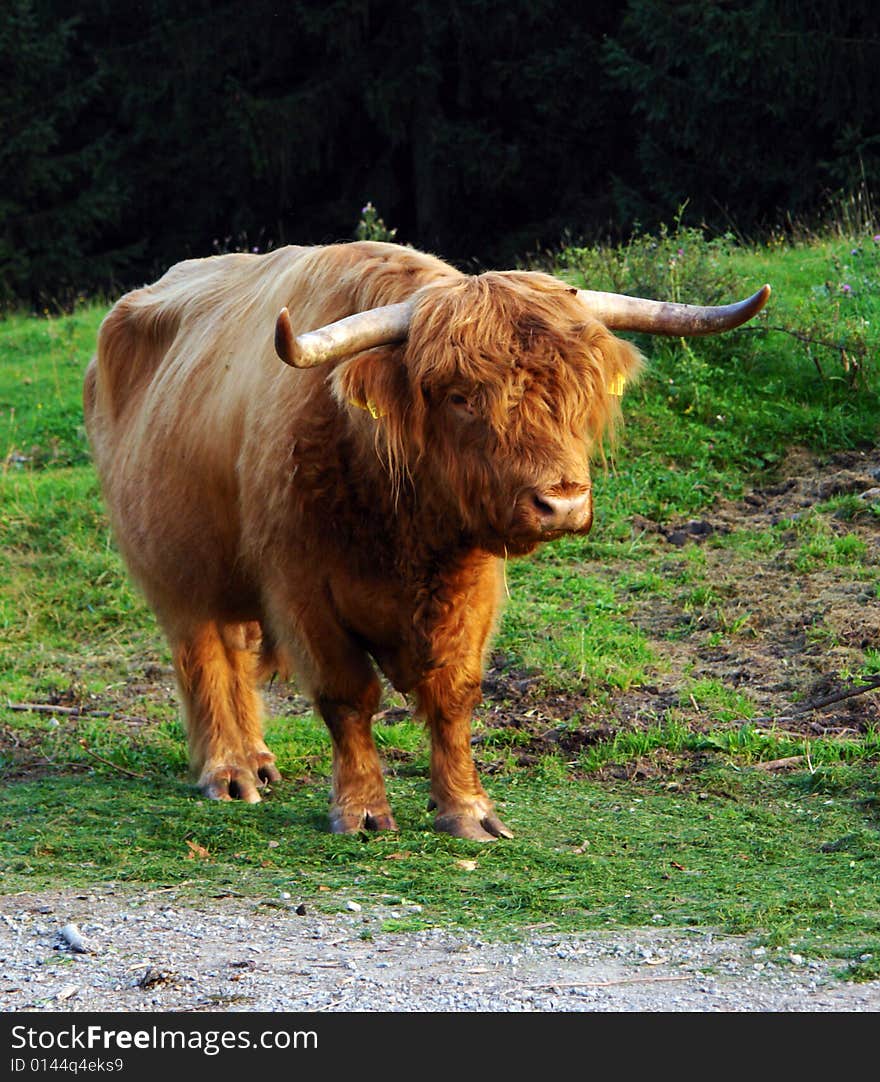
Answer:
(650, 728)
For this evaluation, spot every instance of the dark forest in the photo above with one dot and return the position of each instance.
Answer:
(134, 135)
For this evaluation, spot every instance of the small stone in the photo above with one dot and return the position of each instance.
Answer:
(72, 936)
(353, 907)
(153, 977)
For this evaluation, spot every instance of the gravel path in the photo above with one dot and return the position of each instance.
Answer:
(157, 951)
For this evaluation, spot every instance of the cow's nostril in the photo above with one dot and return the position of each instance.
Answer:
(561, 512)
(544, 508)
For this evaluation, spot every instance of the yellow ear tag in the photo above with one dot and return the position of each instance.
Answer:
(370, 407)
(617, 385)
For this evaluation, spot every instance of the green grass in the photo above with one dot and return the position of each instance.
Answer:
(630, 807)
(559, 618)
(740, 852)
(822, 547)
(712, 413)
(41, 420)
(65, 595)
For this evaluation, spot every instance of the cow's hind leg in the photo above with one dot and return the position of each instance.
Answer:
(217, 669)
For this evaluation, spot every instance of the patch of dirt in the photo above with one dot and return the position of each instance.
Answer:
(761, 626)
(129, 709)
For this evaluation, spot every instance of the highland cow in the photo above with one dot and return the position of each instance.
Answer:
(351, 509)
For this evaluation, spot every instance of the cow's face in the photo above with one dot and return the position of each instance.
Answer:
(495, 406)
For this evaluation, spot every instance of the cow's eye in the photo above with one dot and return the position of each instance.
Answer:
(460, 402)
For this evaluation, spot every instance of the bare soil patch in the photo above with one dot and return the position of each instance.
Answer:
(797, 636)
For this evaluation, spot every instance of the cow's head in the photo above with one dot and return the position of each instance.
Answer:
(491, 393)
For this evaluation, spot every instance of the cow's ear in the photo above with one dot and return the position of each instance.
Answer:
(618, 364)
(621, 364)
(374, 381)
(373, 387)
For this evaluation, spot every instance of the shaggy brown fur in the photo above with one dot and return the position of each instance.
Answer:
(325, 520)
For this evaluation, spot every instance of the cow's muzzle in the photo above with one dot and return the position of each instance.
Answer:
(555, 513)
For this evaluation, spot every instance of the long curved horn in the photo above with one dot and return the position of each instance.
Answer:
(363, 330)
(621, 313)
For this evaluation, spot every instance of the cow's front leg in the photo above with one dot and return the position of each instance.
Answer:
(447, 697)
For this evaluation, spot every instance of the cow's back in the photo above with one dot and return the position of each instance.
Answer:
(205, 329)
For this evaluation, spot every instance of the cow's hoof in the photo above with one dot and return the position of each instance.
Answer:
(346, 821)
(268, 773)
(231, 783)
(475, 828)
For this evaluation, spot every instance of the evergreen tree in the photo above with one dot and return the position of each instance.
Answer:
(751, 111)
(56, 188)
(481, 129)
